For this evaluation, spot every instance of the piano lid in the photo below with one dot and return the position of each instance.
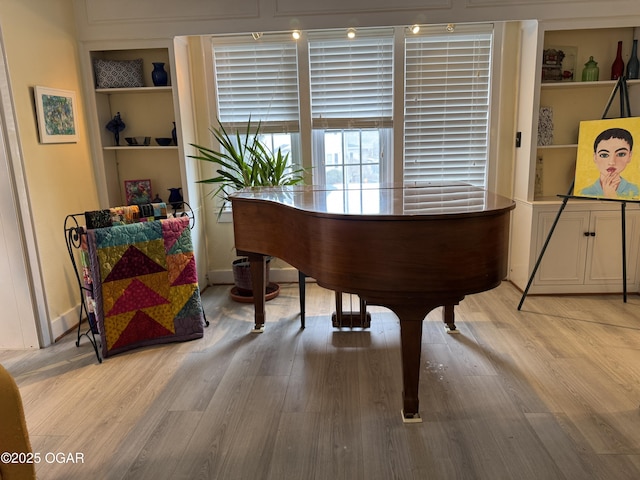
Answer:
(382, 200)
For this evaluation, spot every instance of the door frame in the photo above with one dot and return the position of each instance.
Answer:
(26, 274)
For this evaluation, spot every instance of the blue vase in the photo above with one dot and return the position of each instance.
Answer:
(633, 64)
(159, 75)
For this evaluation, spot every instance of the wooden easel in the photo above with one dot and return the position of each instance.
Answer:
(625, 111)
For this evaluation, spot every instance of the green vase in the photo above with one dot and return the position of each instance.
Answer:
(591, 72)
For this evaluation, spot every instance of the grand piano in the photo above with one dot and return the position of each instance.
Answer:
(409, 248)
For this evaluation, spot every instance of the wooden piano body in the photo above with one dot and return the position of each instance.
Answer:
(408, 248)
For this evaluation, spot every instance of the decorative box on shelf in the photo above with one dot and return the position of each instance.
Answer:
(559, 64)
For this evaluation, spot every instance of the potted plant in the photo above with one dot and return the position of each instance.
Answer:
(242, 161)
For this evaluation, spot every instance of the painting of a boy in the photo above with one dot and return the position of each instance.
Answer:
(605, 150)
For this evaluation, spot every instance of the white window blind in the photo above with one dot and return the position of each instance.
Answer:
(351, 81)
(351, 89)
(447, 86)
(258, 80)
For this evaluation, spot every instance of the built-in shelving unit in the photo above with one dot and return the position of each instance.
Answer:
(574, 101)
(584, 252)
(147, 111)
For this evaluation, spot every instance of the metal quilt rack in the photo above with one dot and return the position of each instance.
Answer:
(74, 231)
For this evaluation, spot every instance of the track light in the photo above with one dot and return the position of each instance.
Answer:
(296, 34)
(415, 28)
(450, 27)
(256, 35)
(351, 32)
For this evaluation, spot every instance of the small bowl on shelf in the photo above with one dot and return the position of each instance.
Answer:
(163, 141)
(138, 141)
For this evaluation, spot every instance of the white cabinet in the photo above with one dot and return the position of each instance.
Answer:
(584, 254)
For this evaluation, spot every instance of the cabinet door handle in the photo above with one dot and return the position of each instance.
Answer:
(586, 234)
(593, 234)
(589, 234)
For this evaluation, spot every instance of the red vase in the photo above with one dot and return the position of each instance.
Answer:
(617, 68)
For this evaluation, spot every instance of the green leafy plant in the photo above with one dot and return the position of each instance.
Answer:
(244, 161)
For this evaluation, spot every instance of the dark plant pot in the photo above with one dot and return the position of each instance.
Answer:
(243, 290)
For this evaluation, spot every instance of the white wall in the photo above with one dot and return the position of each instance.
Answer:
(99, 19)
(41, 49)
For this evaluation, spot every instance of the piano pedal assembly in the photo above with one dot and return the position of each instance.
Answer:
(362, 319)
(350, 319)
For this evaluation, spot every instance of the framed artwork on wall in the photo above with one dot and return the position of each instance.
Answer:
(606, 166)
(57, 115)
(138, 192)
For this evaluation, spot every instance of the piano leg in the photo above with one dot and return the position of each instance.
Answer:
(411, 315)
(411, 341)
(302, 294)
(258, 284)
(448, 318)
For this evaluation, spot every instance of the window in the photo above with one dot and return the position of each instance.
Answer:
(351, 156)
(260, 81)
(344, 91)
(446, 122)
(351, 85)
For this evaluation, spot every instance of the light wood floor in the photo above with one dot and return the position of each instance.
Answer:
(549, 392)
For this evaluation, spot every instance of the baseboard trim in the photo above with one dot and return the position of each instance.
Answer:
(65, 323)
(277, 275)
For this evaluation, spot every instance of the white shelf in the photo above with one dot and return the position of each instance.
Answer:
(601, 83)
(110, 91)
(141, 147)
(557, 147)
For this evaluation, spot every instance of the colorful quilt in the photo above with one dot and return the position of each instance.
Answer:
(145, 284)
(87, 282)
(127, 214)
